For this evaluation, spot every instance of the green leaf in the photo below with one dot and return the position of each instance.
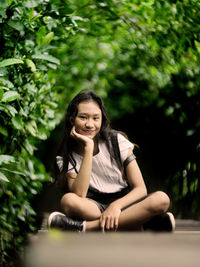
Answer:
(32, 128)
(17, 25)
(31, 3)
(29, 148)
(4, 108)
(194, 186)
(39, 35)
(10, 61)
(36, 17)
(47, 58)
(9, 2)
(1, 93)
(7, 159)
(185, 187)
(17, 122)
(3, 130)
(197, 44)
(47, 39)
(3, 177)
(52, 104)
(15, 172)
(10, 96)
(42, 134)
(12, 110)
(7, 83)
(8, 109)
(30, 64)
(65, 10)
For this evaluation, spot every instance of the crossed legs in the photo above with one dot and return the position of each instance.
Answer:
(131, 218)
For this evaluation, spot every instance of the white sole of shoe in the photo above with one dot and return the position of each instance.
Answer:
(52, 215)
(173, 222)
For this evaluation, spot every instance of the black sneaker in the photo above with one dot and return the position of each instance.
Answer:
(61, 221)
(161, 223)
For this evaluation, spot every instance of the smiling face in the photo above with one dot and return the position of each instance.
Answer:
(88, 119)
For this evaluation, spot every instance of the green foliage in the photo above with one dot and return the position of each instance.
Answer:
(135, 54)
(29, 111)
(138, 55)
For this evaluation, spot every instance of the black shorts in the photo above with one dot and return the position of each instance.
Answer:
(103, 200)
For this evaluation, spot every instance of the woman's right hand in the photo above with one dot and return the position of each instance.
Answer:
(88, 142)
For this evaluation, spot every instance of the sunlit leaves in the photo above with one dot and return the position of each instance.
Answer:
(6, 159)
(27, 109)
(133, 53)
(10, 61)
(47, 58)
(10, 96)
(1, 93)
(18, 122)
(31, 64)
(47, 39)
(31, 3)
(137, 54)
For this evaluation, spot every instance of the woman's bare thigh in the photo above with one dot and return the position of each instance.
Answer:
(83, 208)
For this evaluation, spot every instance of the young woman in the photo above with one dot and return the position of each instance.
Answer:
(104, 188)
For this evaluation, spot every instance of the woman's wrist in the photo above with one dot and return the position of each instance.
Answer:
(89, 147)
(116, 204)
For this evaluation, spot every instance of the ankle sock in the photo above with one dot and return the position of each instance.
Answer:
(84, 226)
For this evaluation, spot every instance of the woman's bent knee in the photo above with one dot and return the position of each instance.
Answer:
(68, 202)
(159, 202)
(73, 205)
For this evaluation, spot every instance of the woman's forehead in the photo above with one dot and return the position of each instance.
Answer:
(89, 107)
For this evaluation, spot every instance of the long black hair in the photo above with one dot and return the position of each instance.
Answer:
(68, 143)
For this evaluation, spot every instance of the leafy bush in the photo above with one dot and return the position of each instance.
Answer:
(142, 56)
(29, 111)
(136, 55)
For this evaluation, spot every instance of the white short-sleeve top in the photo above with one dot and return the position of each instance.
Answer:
(105, 176)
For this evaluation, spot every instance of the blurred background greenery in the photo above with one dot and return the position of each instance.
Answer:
(141, 57)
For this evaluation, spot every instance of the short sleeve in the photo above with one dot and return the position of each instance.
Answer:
(124, 146)
(71, 168)
(59, 161)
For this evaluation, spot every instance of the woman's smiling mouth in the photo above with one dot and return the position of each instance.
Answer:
(88, 131)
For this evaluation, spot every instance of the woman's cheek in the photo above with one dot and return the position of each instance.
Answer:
(78, 130)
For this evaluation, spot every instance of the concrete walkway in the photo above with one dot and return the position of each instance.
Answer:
(58, 249)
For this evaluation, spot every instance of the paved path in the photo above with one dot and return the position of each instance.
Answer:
(57, 249)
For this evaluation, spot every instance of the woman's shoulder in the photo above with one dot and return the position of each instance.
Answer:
(124, 141)
(122, 136)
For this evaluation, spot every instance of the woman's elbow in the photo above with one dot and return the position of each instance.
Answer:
(143, 190)
(80, 193)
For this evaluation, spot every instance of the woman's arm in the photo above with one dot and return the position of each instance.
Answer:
(109, 218)
(136, 181)
(79, 183)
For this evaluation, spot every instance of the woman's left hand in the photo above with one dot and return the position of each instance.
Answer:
(110, 217)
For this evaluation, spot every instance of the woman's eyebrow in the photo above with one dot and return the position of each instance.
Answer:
(84, 113)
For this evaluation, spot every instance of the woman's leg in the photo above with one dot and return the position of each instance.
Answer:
(136, 215)
(83, 208)
(131, 218)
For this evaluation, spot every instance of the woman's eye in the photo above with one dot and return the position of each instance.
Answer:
(83, 117)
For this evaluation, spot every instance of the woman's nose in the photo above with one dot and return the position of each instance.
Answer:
(89, 124)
